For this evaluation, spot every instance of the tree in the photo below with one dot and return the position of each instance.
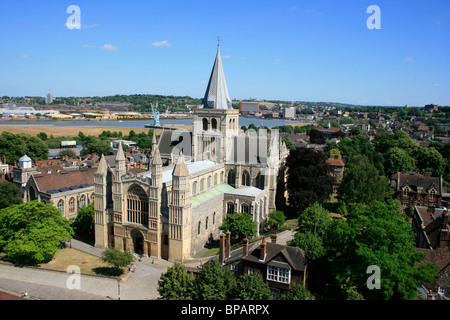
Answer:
(215, 282)
(362, 182)
(252, 287)
(429, 159)
(313, 225)
(84, 222)
(93, 145)
(117, 258)
(14, 146)
(177, 284)
(276, 219)
(376, 235)
(240, 225)
(9, 194)
(398, 160)
(69, 153)
(30, 233)
(308, 178)
(297, 292)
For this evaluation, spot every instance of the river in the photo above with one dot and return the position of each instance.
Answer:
(243, 121)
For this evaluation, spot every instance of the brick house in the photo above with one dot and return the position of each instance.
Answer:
(337, 170)
(431, 228)
(417, 189)
(280, 265)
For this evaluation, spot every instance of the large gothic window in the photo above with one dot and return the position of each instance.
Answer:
(137, 205)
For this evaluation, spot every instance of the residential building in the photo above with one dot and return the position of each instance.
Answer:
(280, 265)
(417, 189)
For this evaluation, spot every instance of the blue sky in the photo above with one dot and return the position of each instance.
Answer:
(315, 50)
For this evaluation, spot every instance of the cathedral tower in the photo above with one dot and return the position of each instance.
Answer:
(217, 121)
(180, 213)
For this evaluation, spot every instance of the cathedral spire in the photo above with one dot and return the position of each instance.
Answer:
(216, 96)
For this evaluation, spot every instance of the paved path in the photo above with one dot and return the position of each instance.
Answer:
(52, 285)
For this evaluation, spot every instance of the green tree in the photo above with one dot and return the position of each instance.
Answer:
(398, 160)
(83, 225)
(9, 194)
(240, 225)
(68, 153)
(177, 284)
(93, 145)
(276, 219)
(117, 258)
(429, 159)
(308, 179)
(215, 282)
(30, 233)
(376, 235)
(362, 182)
(252, 287)
(14, 146)
(297, 292)
(313, 226)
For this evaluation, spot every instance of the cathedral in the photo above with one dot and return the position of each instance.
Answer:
(194, 179)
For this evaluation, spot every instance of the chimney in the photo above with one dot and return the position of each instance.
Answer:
(222, 249)
(274, 237)
(262, 250)
(228, 244)
(141, 164)
(128, 166)
(245, 247)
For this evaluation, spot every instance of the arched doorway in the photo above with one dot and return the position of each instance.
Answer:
(138, 241)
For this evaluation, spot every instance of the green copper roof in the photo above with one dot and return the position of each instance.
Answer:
(210, 194)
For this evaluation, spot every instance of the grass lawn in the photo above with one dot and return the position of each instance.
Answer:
(69, 256)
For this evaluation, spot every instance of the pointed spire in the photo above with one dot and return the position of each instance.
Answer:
(216, 96)
(120, 156)
(102, 166)
(180, 168)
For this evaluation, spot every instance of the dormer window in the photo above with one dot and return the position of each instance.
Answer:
(406, 191)
(432, 194)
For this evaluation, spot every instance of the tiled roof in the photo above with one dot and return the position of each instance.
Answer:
(65, 179)
(336, 162)
(440, 256)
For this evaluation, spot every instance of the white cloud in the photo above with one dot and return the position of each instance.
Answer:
(163, 43)
(436, 85)
(277, 60)
(24, 56)
(106, 47)
(409, 59)
(95, 25)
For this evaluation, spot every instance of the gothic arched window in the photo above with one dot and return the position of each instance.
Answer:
(72, 205)
(137, 205)
(231, 180)
(205, 124)
(245, 178)
(60, 205)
